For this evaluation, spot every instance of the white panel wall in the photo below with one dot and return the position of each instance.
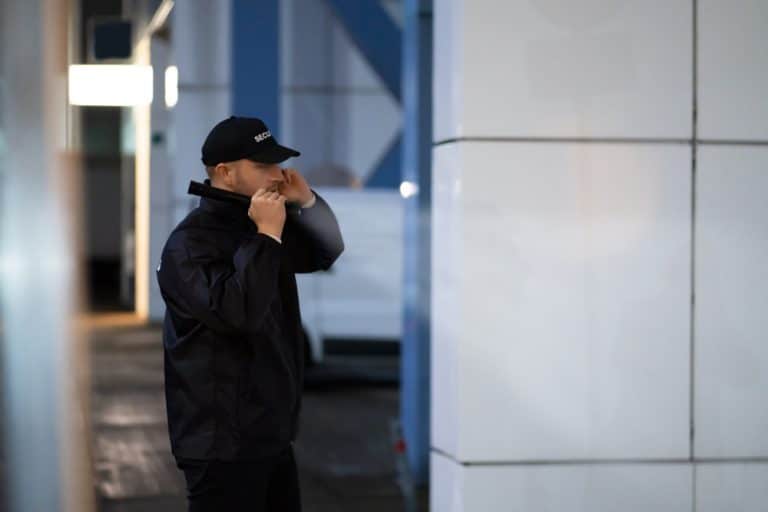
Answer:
(161, 175)
(732, 302)
(731, 354)
(547, 69)
(556, 488)
(575, 300)
(201, 50)
(201, 47)
(447, 323)
(569, 216)
(733, 70)
(731, 487)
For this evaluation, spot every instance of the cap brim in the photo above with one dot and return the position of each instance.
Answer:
(274, 155)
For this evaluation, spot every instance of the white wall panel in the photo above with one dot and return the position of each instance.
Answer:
(731, 302)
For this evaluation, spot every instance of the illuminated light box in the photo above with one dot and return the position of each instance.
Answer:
(171, 86)
(110, 85)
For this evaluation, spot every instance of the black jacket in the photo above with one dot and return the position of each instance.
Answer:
(232, 335)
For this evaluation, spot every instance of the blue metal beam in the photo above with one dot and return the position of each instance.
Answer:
(255, 61)
(387, 173)
(376, 36)
(417, 169)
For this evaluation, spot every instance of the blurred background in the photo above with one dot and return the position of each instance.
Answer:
(553, 293)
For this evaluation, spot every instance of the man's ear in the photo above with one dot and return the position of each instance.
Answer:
(222, 173)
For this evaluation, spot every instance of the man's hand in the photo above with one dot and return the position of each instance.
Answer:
(267, 211)
(295, 188)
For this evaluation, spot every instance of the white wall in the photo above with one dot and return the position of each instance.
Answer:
(162, 173)
(200, 47)
(572, 226)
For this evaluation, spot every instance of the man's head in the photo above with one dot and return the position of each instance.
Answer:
(245, 176)
(241, 155)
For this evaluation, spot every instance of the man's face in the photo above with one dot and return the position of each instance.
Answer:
(246, 177)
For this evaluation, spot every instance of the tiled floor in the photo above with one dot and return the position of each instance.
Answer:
(344, 452)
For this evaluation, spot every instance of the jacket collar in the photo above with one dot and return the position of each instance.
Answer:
(233, 212)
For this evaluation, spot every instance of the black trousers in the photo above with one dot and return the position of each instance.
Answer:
(270, 484)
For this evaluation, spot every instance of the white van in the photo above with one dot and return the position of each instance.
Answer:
(357, 304)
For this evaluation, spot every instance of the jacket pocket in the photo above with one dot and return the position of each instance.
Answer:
(250, 406)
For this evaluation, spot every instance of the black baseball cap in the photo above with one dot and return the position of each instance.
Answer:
(236, 138)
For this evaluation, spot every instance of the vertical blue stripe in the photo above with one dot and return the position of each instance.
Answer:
(255, 61)
(417, 168)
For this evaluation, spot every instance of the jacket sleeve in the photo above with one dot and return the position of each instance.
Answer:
(314, 238)
(227, 296)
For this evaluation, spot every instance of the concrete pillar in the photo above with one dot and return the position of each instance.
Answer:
(571, 227)
(599, 241)
(46, 464)
(731, 247)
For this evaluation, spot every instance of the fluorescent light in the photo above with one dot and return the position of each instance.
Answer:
(171, 86)
(408, 189)
(110, 85)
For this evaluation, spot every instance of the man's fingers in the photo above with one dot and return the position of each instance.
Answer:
(264, 193)
(270, 196)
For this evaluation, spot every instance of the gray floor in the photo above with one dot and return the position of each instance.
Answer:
(344, 451)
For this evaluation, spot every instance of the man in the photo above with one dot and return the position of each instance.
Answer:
(232, 336)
